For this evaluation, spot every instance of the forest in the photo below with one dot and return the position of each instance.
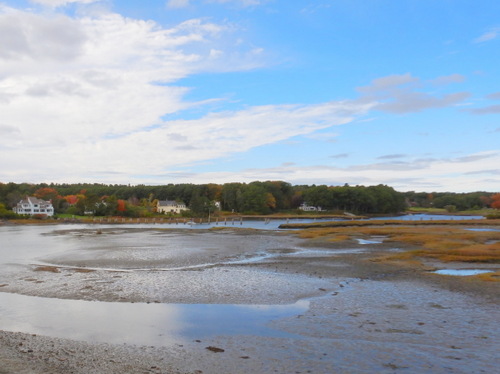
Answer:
(243, 198)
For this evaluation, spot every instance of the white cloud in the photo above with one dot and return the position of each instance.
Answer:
(30, 40)
(85, 99)
(244, 3)
(440, 175)
(73, 87)
(58, 3)
(94, 100)
(489, 35)
(175, 4)
(180, 143)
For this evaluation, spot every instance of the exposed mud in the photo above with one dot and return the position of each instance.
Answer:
(365, 316)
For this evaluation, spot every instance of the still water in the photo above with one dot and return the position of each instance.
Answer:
(22, 247)
(138, 323)
(462, 272)
(273, 224)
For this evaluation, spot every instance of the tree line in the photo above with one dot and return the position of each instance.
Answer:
(245, 198)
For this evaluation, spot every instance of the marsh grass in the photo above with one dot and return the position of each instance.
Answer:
(489, 277)
(444, 243)
(392, 223)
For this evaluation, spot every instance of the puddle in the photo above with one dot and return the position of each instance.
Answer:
(483, 229)
(364, 241)
(139, 323)
(461, 272)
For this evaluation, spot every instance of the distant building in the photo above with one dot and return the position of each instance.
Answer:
(170, 206)
(32, 205)
(308, 208)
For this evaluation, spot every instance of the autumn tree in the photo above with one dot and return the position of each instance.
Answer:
(121, 206)
(51, 194)
(495, 201)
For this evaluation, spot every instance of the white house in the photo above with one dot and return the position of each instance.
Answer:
(170, 206)
(308, 208)
(32, 205)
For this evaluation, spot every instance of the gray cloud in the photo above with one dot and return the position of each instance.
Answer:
(387, 83)
(13, 42)
(177, 137)
(453, 78)
(340, 155)
(6, 130)
(494, 96)
(410, 102)
(396, 166)
(492, 109)
(39, 37)
(489, 171)
(49, 88)
(397, 94)
(186, 148)
(391, 157)
(100, 79)
(476, 157)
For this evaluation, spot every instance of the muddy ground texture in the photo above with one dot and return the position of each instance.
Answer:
(365, 316)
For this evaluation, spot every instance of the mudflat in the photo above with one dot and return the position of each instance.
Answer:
(368, 311)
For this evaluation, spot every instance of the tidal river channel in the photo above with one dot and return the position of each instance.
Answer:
(33, 257)
(272, 301)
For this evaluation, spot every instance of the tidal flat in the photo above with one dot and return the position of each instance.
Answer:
(92, 299)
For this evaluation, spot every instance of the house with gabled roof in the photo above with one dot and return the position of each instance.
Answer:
(170, 206)
(309, 208)
(34, 206)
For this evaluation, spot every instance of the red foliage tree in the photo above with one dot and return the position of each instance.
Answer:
(47, 193)
(121, 207)
(71, 199)
(495, 201)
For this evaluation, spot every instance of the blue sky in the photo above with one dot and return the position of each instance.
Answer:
(404, 93)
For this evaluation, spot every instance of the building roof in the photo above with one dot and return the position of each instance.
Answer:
(33, 200)
(168, 203)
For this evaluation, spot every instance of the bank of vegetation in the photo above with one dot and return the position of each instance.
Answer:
(420, 243)
(262, 198)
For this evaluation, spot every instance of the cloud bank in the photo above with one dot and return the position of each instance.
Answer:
(98, 98)
(89, 97)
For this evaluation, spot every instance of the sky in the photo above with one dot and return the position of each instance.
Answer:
(404, 93)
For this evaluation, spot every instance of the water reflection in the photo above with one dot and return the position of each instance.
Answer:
(138, 323)
(462, 272)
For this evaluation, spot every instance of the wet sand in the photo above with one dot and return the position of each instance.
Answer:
(364, 316)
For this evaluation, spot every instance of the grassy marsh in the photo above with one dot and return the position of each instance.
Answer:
(445, 243)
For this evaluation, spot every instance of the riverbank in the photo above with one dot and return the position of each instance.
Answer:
(396, 314)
